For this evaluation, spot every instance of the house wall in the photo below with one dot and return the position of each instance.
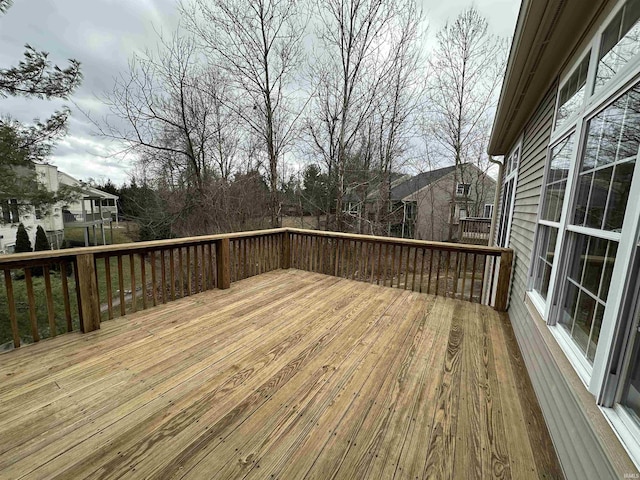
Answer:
(434, 203)
(585, 448)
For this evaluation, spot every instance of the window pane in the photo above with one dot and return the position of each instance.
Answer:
(595, 333)
(585, 289)
(598, 197)
(579, 254)
(559, 163)
(544, 261)
(619, 195)
(584, 187)
(572, 93)
(620, 42)
(608, 270)
(585, 310)
(594, 264)
(612, 140)
(569, 306)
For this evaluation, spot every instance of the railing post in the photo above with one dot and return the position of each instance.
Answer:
(504, 280)
(88, 292)
(223, 262)
(286, 250)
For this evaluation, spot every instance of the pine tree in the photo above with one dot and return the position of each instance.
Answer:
(23, 244)
(42, 242)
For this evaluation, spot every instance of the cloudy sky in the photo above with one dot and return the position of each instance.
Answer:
(103, 35)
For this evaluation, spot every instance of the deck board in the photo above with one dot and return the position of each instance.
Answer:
(288, 374)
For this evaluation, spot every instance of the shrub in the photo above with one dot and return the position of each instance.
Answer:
(23, 244)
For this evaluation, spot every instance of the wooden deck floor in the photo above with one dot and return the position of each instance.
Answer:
(287, 375)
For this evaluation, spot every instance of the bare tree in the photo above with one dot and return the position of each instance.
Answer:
(360, 44)
(258, 45)
(466, 71)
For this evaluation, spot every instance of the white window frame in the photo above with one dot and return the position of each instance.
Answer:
(511, 176)
(484, 210)
(465, 186)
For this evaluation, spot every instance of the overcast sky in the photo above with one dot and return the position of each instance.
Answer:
(103, 34)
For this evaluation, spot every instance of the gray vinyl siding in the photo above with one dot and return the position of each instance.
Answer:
(579, 451)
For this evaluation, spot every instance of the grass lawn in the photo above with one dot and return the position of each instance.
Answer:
(120, 235)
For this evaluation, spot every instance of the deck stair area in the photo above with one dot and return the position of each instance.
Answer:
(274, 354)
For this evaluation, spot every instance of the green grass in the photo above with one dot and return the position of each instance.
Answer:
(76, 234)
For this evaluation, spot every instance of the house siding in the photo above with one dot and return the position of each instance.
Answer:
(577, 445)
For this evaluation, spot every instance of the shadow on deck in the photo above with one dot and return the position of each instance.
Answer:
(288, 375)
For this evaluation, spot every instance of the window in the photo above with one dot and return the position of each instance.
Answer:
(609, 157)
(586, 289)
(10, 211)
(571, 95)
(552, 202)
(620, 42)
(488, 210)
(463, 189)
(508, 197)
(463, 213)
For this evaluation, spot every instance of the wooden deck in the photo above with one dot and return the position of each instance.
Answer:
(287, 375)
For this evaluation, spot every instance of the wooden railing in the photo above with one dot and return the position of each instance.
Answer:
(468, 272)
(474, 230)
(49, 293)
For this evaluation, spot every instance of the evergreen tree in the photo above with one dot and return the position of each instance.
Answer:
(42, 242)
(23, 244)
(21, 146)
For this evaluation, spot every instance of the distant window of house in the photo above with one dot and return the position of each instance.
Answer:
(463, 189)
(619, 43)
(463, 213)
(571, 95)
(10, 211)
(96, 203)
(38, 214)
(111, 202)
(488, 210)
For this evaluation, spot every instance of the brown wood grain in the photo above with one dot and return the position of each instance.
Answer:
(288, 374)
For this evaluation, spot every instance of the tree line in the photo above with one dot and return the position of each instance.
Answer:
(255, 110)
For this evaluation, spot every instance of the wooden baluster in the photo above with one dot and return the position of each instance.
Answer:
(123, 306)
(212, 269)
(473, 278)
(163, 276)
(422, 253)
(204, 268)
(415, 267)
(494, 267)
(8, 284)
(406, 269)
(484, 267)
(504, 280)
(223, 263)
(143, 280)
(431, 254)
(446, 275)
(172, 274)
(437, 270)
(51, 313)
(455, 276)
(189, 290)
(132, 268)
(196, 268)
(87, 290)
(107, 274)
(464, 276)
(181, 270)
(66, 299)
(154, 290)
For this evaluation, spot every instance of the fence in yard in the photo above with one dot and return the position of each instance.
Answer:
(45, 294)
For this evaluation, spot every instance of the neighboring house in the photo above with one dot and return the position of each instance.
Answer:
(474, 196)
(94, 205)
(421, 205)
(568, 125)
(51, 221)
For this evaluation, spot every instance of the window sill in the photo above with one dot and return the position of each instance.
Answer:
(626, 430)
(537, 301)
(575, 357)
